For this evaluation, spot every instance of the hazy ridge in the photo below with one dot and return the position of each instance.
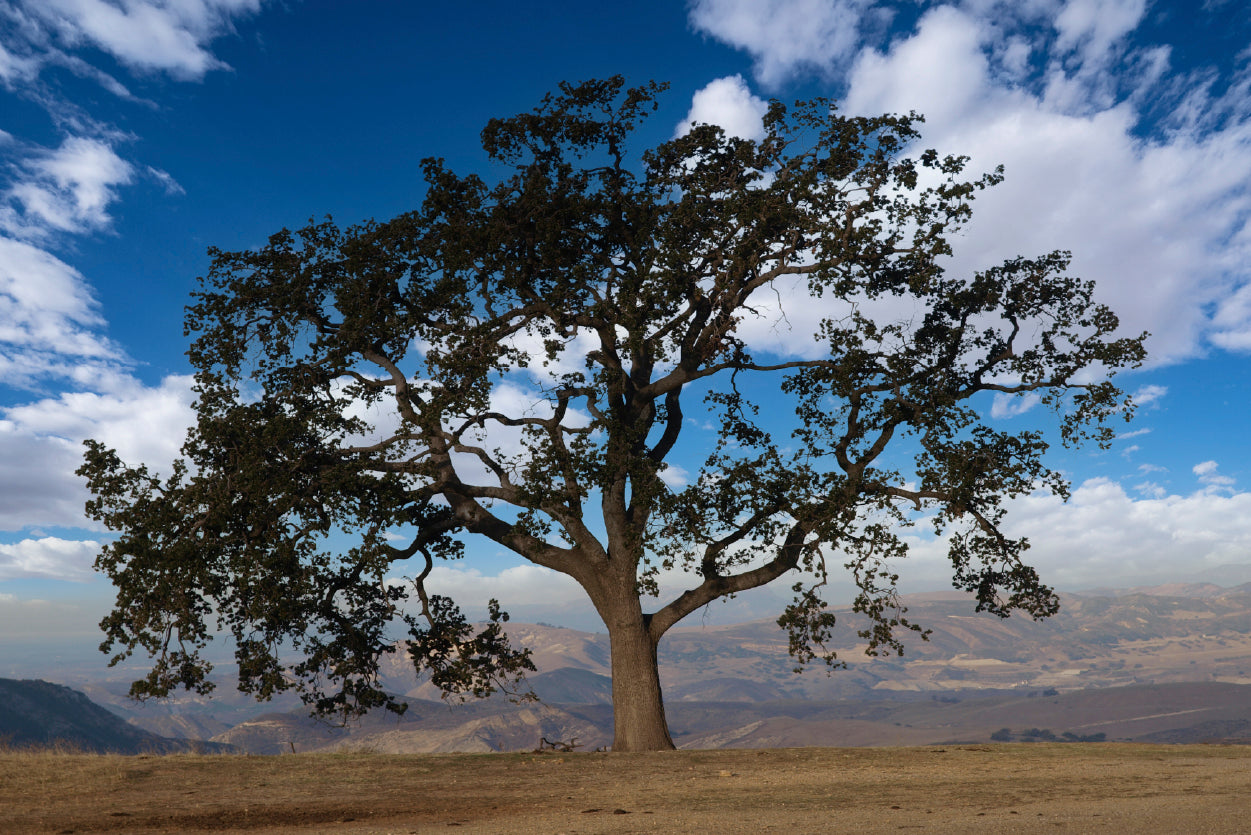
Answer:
(1166, 664)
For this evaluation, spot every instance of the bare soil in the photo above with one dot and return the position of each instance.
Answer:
(1051, 788)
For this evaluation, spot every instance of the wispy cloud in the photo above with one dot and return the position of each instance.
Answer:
(52, 335)
(143, 35)
(1010, 405)
(1208, 475)
(50, 325)
(1145, 395)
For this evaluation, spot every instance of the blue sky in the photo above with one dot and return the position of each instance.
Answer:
(136, 133)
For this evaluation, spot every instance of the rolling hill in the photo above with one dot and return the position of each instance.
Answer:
(38, 714)
(1159, 664)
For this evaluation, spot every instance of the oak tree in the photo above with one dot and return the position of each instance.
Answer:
(518, 360)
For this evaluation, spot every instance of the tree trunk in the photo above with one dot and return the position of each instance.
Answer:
(638, 710)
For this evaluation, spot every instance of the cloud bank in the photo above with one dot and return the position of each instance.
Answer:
(1155, 207)
(1141, 170)
(52, 336)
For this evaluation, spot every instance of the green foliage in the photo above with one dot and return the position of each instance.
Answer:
(515, 361)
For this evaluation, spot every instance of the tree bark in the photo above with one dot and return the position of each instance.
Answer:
(638, 709)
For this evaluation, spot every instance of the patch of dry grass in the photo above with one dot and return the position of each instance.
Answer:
(1019, 788)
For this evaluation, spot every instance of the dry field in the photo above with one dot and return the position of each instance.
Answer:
(960, 788)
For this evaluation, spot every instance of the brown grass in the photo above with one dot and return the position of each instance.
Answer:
(1000, 788)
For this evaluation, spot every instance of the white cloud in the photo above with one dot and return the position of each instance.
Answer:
(1093, 28)
(167, 181)
(675, 477)
(787, 37)
(1213, 480)
(51, 332)
(49, 319)
(1148, 394)
(1103, 537)
(16, 69)
(66, 190)
(1055, 91)
(522, 581)
(1011, 405)
(940, 71)
(168, 36)
(41, 444)
(1232, 322)
(144, 424)
(729, 104)
(39, 486)
(47, 313)
(49, 557)
(1158, 224)
(1103, 530)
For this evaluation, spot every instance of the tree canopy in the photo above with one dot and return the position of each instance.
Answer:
(517, 360)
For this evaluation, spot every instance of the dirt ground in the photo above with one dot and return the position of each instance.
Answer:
(1054, 788)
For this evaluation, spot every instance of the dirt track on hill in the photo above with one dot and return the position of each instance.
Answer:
(1000, 788)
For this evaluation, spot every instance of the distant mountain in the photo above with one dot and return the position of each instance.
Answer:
(569, 685)
(37, 714)
(1105, 657)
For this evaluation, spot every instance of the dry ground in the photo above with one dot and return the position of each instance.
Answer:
(1102, 788)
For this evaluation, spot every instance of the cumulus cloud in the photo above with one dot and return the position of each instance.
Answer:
(41, 444)
(729, 104)
(788, 37)
(144, 424)
(65, 190)
(1158, 218)
(1105, 537)
(49, 557)
(1102, 537)
(1151, 221)
(1205, 468)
